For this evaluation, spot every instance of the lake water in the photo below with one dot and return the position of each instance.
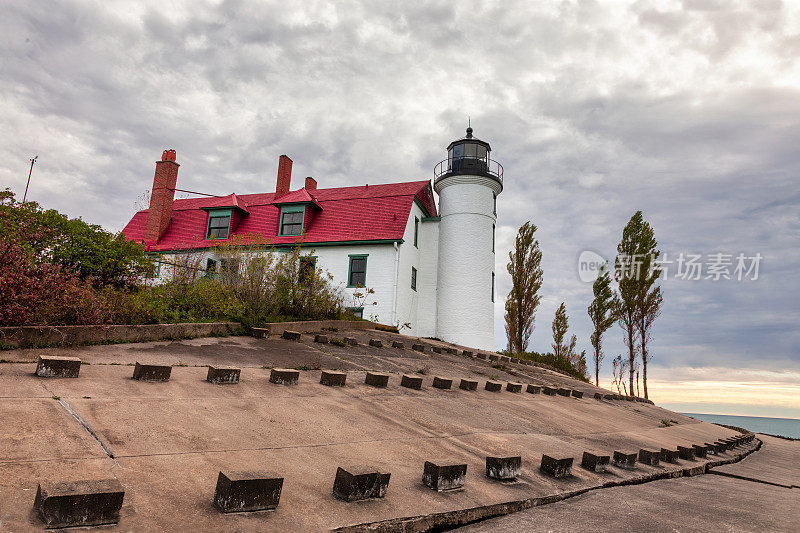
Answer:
(785, 427)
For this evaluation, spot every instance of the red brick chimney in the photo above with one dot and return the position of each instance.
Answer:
(161, 197)
(284, 176)
(311, 183)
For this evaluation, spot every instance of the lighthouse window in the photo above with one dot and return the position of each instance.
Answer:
(492, 286)
(469, 150)
(413, 278)
(357, 275)
(493, 238)
(416, 231)
(219, 224)
(292, 220)
(481, 151)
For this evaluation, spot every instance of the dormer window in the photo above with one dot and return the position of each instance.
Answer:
(219, 224)
(292, 218)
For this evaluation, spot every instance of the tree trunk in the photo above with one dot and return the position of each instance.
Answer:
(596, 366)
(644, 367)
(631, 357)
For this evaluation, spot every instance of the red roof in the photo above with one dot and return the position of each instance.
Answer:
(365, 213)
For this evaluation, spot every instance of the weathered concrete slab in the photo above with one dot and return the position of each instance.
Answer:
(577, 393)
(332, 378)
(649, 457)
(557, 467)
(669, 456)
(700, 451)
(493, 386)
(468, 353)
(360, 483)
(239, 491)
(411, 382)
(376, 343)
(376, 379)
(284, 376)
(149, 372)
(398, 344)
(223, 375)
(513, 387)
(436, 349)
(52, 366)
(418, 347)
(598, 396)
(533, 389)
(79, 503)
(468, 384)
(550, 391)
(564, 392)
(444, 476)
(595, 462)
(442, 383)
(290, 335)
(624, 460)
(777, 462)
(505, 468)
(686, 453)
(350, 341)
(322, 339)
(480, 355)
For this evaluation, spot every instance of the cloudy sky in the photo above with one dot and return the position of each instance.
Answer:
(687, 111)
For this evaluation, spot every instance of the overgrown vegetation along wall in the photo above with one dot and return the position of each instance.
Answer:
(56, 271)
(557, 362)
(45, 336)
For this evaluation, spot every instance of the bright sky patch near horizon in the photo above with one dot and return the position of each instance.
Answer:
(689, 111)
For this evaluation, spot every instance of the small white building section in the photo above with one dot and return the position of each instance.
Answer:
(431, 270)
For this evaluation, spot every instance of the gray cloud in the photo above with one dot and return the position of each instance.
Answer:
(689, 114)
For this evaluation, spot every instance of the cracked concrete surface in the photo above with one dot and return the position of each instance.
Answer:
(170, 440)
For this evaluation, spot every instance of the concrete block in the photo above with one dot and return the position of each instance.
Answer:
(556, 466)
(514, 360)
(151, 372)
(533, 389)
(442, 383)
(441, 477)
(481, 356)
(504, 359)
(669, 456)
(550, 391)
(594, 462)
(418, 347)
(701, 452)
(494, 386)
(223, 375)
(377, 343)
(291, 335)
(564, 392)
(350, 341)
(686, 453)
(239, 491)
(322, 339)
(649, 457)
(526, 362)
(598, 396)
(577, 393)
(712, 448)
(333, 379)
(411, 382)
(360, 483)
(436, 349)
(493, 357)
(625, 460)
(376, 379)
(52, 366)
(468, 353)
(454, 351)
(504, 468)
(469, 384)
(79, 503)
(397, 344)
(514, 387)
(608, 396)
(284, 376)
(630, 398)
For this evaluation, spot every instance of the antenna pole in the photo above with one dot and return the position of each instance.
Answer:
(25, 196)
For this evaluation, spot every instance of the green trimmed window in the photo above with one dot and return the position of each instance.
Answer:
(211, 268)
(292, 218)
(219, 224)
(357, 312)
(416, 232)
(413, 278)
(357, 271)
(156, 266)
(306, 270)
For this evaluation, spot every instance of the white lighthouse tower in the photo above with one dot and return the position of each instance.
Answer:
(468, 183)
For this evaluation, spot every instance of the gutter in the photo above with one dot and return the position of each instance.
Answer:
(396, 274)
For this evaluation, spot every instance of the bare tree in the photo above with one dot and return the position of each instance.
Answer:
(524, 265)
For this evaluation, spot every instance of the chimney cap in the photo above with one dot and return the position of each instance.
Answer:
(168, 155)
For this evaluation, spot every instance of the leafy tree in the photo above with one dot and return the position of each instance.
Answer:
(602, 312)
(636, 272)
(524, 265)
(560, 327)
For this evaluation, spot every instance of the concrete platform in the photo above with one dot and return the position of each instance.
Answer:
(167, 442)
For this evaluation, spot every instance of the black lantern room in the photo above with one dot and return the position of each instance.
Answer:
(469, 155)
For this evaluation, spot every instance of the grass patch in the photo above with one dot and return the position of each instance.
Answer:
(56, 397)
(665, 423)
(338, 342)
